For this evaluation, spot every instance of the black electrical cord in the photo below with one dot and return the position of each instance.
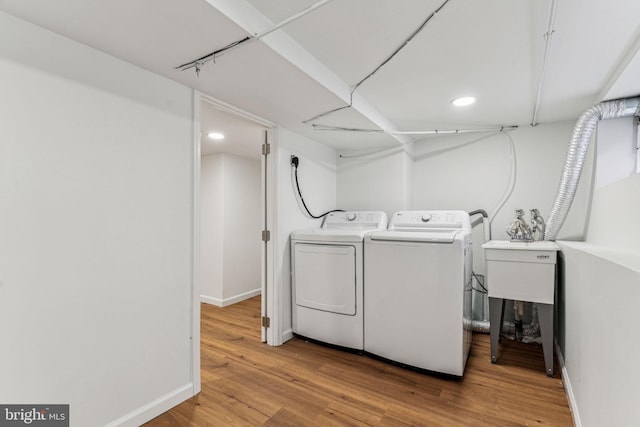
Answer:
(213, 54)
(484, 290)
(294, 163)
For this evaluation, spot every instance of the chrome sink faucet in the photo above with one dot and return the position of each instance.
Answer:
(537, 225)
(518, 229)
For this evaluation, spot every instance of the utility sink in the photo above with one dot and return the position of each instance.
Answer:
(523, 271)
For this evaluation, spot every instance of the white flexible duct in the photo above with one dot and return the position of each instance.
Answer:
(530, 332)
(576, 154)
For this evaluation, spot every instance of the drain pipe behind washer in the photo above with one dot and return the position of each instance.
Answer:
(577, 152)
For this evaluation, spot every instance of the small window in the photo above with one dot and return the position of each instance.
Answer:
(618, 155)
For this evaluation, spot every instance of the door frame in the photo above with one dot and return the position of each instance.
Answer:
(195, 248)
(268, 203)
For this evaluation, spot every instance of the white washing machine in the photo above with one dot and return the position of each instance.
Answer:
(327, 278)
(418, 291)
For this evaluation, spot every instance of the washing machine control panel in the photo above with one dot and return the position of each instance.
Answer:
(424, 220)
(356, 219)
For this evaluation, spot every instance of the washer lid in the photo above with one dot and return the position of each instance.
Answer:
(430, 221)
(331, 235)
(435, 236)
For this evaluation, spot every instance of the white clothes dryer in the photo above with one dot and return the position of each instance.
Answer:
(418, 291)
(327, 278)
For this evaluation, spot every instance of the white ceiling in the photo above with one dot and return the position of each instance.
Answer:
(492, 49)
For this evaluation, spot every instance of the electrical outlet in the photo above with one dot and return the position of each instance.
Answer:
(294, 161)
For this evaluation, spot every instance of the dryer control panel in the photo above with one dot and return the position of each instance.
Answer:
(356, 219)
(425, 220)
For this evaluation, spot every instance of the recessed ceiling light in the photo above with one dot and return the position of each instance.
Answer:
(215, 135)
(463, 101)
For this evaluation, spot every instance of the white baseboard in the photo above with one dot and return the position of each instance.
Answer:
(154, 408)
(287, 335)
(567, 388)
(228, 301)
(210, 300)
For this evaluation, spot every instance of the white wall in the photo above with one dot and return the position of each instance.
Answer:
(468, 172)
(211, 229)
(317, 177)
(599, 296)
(614, 216)
(380, 182)
(598, 293)
(95, 231)
(242, 227)
(476, 175)
(231, 225)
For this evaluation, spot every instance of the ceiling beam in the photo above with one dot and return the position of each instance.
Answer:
(253, 21)
(624, 74)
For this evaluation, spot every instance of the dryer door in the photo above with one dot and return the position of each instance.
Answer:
(324, 277)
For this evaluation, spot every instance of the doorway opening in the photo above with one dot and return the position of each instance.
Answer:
(234, 210)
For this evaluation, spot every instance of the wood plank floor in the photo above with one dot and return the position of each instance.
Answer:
(248, 383)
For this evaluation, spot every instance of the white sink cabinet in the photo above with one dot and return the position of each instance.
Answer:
(522, 271)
